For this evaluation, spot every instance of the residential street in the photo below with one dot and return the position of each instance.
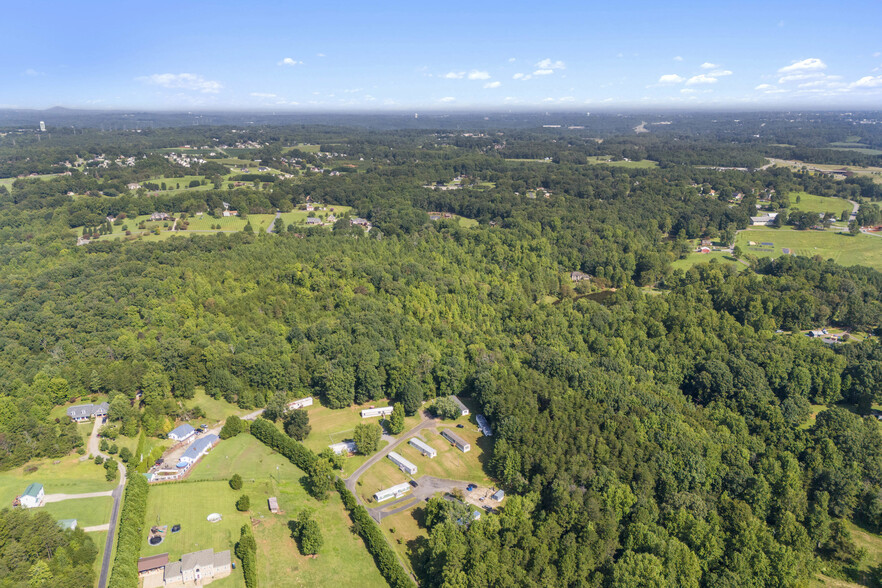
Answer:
(116, 493)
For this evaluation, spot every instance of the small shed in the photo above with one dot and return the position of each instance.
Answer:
(498, 496)
(273, 505)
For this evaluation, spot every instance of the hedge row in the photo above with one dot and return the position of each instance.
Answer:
(374, 540)
(131, 532)
(267, 433)
(246, 551)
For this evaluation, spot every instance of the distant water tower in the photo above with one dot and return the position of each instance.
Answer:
(416, 114)
(42, 127)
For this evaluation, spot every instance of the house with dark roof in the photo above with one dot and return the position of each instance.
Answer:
(84, 412)
(152, 564)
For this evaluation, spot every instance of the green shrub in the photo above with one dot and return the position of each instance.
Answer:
(243, 504)
(246, 551)
(236, 482)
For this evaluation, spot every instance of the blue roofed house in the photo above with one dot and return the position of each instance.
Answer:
(33, 496)
(196, 450)
(182, 433)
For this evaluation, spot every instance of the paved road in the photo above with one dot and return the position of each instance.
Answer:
(116, 493)
(60, 497)
(426, 423)
(269, 229)
(854, 208)
(427, 486)
(253, 415)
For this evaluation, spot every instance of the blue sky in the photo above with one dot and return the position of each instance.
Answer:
(282, 56)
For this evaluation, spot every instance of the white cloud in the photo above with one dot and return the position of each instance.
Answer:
(320, 55)
(479, 75)
(867, 82)
(810, 64)
(670, 79)
(717, 73)
(549, 64)
(549, 99)
(447, 99)
(764, 87)
(454, 75)
(568, 99)
(687, 91)
(877, 54)
(290, 61)
(678, 58)
(701, 79)
(32, 72)
(543, 72)
(492, 84)
(521, 76)
(708, 65)
(184, 81)
(263, 95)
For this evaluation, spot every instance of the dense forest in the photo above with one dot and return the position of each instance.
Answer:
(654, 426)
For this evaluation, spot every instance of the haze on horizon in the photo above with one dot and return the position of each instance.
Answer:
(348, 56)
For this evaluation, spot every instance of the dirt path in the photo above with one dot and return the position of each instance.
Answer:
(97, 528)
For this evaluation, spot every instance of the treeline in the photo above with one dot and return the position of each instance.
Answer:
(131, 533)
(35, 551)
(374, 540)
(246, 551)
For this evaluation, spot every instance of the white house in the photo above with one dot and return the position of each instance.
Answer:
(375, 412)
(182, 433)
(33, 496)
(393, 492)
(403, 465)
(767, 219)
(423, 448)
(198, 448)
(303, 402)
(199, 567)
(463, 409)
(344, 447)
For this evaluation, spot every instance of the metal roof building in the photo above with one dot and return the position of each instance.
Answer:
(484, 425)
(375, 412)
(197, 449)
(463, 409)
(393, 492)
(344, 447)
(458, 441)
(403, 465)
(423, 448)
(182, 433)
(300, 403)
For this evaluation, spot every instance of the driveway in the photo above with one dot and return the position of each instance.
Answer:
(60, 497)
(116, 493)
(427, 486)
(426, 423)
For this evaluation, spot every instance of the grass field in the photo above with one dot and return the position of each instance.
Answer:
(696, 258)
(343, 560)
(451, 463)
(405, 531)
(606, 160)
(820, 204)
(68, 476)
(87, 511)
(843, 249)
(215, 410)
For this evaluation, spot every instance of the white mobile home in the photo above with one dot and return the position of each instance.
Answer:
(393, 492)
(33, 496)
(458, 441)
(403, 465)
(463, 409)
(423, 448)
(303, 402)
(375, 412)
(344, 447)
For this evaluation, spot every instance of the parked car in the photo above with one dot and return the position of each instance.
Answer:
(471, 487)
(460, 426)
(414, 483)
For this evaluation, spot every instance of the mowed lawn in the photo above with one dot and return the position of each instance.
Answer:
(820, 204)
(87, 511)
(451, 463)
(343, 560)
(842, 248)
(68, 476)
(405, 531)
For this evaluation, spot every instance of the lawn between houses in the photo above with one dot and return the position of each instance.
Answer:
(342, 561)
